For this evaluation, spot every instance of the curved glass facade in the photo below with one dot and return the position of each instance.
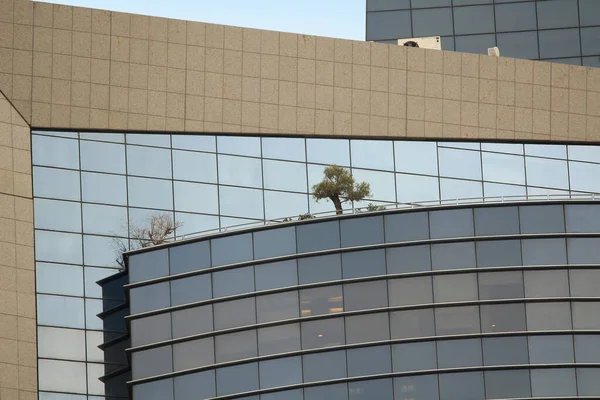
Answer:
(478, 302)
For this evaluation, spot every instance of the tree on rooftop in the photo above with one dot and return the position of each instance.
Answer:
(339, 186)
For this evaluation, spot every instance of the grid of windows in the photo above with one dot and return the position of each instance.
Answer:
(564, 31)
(88, 187)
(407, 307)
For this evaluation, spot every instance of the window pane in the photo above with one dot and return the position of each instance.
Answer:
(152, 362)
(233, 281)
(102, 188)
(553, 382)
(280, 372)
(149, 139)
(432, 22)
(415, 188)
(542, 219)
(557, 14)
(196, 197)
(454, 189)
(148, 161)
(406, 226)
(457, 320)
(408, 259)
(547, 173)
(279, 205)
(237, 379)
(240, 202)
(367, 328)
(328, 151)
(515, 17)
(544, 252)
(459, 353)
(357, 264)
(58, 247)
(460, 163)
(192, 321)
(412, 324)
(420, 387)
(189, 257)
(365, 295)
(322, 300)
(519, 44)
(235, 313)
(320, 236)
(277, 307)
(585, 283)
(369, 361)
(455, 287)
(274, 242)
(372, 154)
(55, 152)
(503, 168)
(388, 25)
(56, 183)
(507, 384)
(414, 356)
(62, 376)
(362, 231)
(416, 157)
(102, 157)
(280, 175)
(67, 344)
(461, 386)
(505, 350)
(157, 390)
(451, 223)
(191, 289)
(279, 339)
(223, 249)
(329, 392)
(496, 221)
(586, 315)
(200, 385)
(498, 253)
(548, 316)
(320, 269)
(323, 333)
(372, 389)
(155, 329)
(503, 318)
(583, 250)
(453, 255)
(587, 348)
(150, 193)
(559, 43)
(582, 217)
(235, 346)
(60, 311)
(284, 148)
(192, 166)
(59, 279)
(103, 220)
(246, 146)
(588, 381)
(276, 275)
(150, 297)
(501, 285)
(148, 265)
(551, 349)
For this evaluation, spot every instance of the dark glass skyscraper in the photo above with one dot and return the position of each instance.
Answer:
(565, 31)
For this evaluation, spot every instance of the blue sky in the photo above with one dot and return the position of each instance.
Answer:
(334, 18)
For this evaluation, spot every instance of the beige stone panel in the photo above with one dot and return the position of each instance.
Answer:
(232, 112)
(506, 69)
(9, 326)
(99, 96)
(342, 123)
(8, 305)
(61, 116)
(306, 46)
(23, 12)
(577, 127)
(157, 53)
(592, 128)
(80, 117)
(343, 50)
(138, 51)
(325, 49)
(342, 75)
(360, 124)
(251, 89)
(269, 116)
(415, 83)
(559, 99)
(250, 114)
(232, 62)
(9, 377)
(505, 118)
(524, 95)
(559, 124)
(62, 41)
(541, 73)
(6, 35)
(541, 97)
(8, 279)
(415, 107)
(43, 14)
(137, 121)
(119, 48)
(541, 122)
(288, 93)
(157, 103)
(232, 87)
(470, 65)
(6, 60)
(287, 118)
(81, 69)
(523, 119)
(559, 75)
(157, 78)
(415, 128)
(82, 19)
(397, 57)
(269, 91)
(6, 182)
(396, 127)
(176, 80)
(61, 66)
(8, 7)
(196, 33)
(22, 185)
(117, 120)
(251, 40)
(27, 353)
(21, 137)
(452, 87)
(138, 76)
(118, 99)
(23, 37)
(40, 114)
(138, 101)
(306, 71)
(251, 64)
(175, 105)
(61, 92)
(397, 106)
(451, 110)
(306, 96)
(232, 37)
(42, 64)
(288, 44)
(177, 31)
(434, 109)
(5, 135)
(342, 100)
(434, 61)
(324, 73)
(488, 67)
(469, 113)
(577, 101)
(324, 97)
(593, 103)
(305, 120)
(379, 79)
(593, 79)
(139, 26)
(214, 60)
(100, 46)
(194, 126)
(577, 77)
(195, 59)
(506, 93)
(80, 94)
(99, 118)
(415, 59)
(379, 104)
(100, 71)
(158, 29)
(361, 53)
(21, 88)
(288, 69)
(213, 110)
(63, 17)
(434, 85)
(397, 81)
(27, 378)
(470, 89)
(194, 107)
(487, 116)
(361, 101)
(269, 66)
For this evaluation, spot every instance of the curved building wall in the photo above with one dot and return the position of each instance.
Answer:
(484, 302)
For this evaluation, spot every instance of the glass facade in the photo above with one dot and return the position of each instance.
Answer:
(564, 31)
(89, 187)
(499, 321)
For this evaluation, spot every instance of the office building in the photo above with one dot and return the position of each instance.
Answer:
(106, 118)
(562, 31)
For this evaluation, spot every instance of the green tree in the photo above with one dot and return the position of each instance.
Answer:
(339, 186)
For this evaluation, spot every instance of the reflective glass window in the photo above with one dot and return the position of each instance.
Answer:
(245, 146)
(59, 279)
(320, 269)
(550, 349)
(544, 251)
(58, 247)
(60, 311)
(546, 150)
(365, 295)
(382, 5)
(321, 300)
(62, 376)
(416, 157)
(515, 17)
(362, 231)
(240, 202)
(367, 328)
(104, 220)
(150, 193)
(589, 12)
(99, 136)
(496, 221)
(461, 386)
(585, 282)
(588, 381)
(189, 257)
(157, 390)
(240, 171)
(553, 382)
(150, 297)
(414, 356)
(507, 384)
(151, 139)
(237, 379)
(92, 276)
(456, 189)
(56, 183)
(586, 315)
(328, 151)
(196, 197)
(330, 392)
(455, 287)
(459, 353)
(192, 166)
(102, 157)
(508, 350)
(548, 316)
(323, 333)
(194, 142)
(235, 313)
(557, 14)
(408, 259)
(99, 251)
(511, 148)
(148, 265)
(559, 43)
(388, 25)
(357, 264)
(587, 348)
(191, 289)
(279, 175)
(453, 255)
(293, 149)
(406, 226)
(102, 188)
(277, 307)
(276, 275)
(371, 389)
(432, 22)
(148, 161)
(274, 242)
(519, 44)
(451, 223)
(372, 154)
(320, 236)
(236, 346)
(547, 173)
(194, 223)
(420, 387)
(582, 218)
(223, 249)
(67, 344)
(551, 283)
(459, 163)
(542, 219)
(457, 320)
(469, 20)
(280, 372)
(153, 329)
(416, 188)
(369, 361)
(278, 339)
(93, 307)
(502, 317)
(200, 385)
(192, 321)
(583, 174)
(55, 152)
(279, 205)
(498, 253)
(477, 44)
(233, 281)
(412, 323)
(504, 191)
(503, 168)
(152, 362)
(501, 285)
